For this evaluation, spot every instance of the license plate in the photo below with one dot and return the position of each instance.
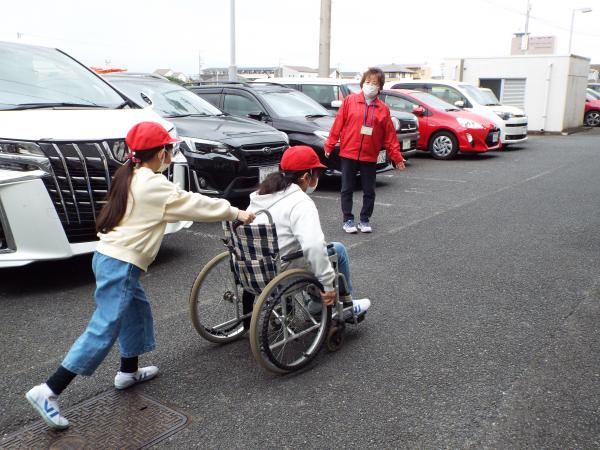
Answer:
(382, 157)
(405, 144)
(263, 172)
(495, 137)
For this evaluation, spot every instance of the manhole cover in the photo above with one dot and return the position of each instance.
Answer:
(114, 419)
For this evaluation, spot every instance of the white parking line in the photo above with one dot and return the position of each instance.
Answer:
(459, 205)
(203, 235)
(445, 180)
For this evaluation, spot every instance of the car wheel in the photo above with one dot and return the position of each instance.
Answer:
(443, 145)
(592, 118)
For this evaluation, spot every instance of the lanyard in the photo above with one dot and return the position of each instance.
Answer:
(365, 123)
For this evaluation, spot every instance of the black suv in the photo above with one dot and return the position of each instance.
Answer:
(227, 155)
(300, 117)
(329, 92)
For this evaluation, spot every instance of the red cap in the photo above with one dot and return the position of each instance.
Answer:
(300, 157)
(148, 135)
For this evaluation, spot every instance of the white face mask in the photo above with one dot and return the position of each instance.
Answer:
(370, 91)
(310, 189)
(163, 166)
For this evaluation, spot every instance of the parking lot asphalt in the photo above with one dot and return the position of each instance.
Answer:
(484, 329)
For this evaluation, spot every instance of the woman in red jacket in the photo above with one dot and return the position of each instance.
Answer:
(364, 126)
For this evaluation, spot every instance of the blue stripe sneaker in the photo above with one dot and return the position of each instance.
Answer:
(124, 380)
(360, 305)
(45, 403)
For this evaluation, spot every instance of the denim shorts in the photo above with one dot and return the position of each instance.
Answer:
(122, 311)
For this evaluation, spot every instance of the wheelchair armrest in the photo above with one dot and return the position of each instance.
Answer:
(291, 256)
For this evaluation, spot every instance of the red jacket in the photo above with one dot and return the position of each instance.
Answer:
(353, 114)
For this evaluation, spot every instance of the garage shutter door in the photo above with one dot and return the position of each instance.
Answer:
(513, 92)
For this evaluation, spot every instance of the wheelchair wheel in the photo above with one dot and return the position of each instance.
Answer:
(215, 302)
(284, 335)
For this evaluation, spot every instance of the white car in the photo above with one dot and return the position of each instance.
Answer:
(62, 131)
(512, 121)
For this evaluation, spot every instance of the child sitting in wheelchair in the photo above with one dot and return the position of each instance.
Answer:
(285, 196)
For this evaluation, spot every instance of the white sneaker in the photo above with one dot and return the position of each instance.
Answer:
(45, 403)
(350, 227)
(360, 305)
(365, 227)
(125, 380)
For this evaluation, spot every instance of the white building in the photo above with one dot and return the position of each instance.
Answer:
(297, 72)
(550, 88)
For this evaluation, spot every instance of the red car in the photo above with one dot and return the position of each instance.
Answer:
(592, 111)
(445, 129)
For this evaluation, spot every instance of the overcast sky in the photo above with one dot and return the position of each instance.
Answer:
(143, 35)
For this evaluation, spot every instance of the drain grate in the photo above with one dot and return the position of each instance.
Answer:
(114, 419)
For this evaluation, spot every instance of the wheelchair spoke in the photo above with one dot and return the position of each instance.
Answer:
(215, 302)
(295, 336)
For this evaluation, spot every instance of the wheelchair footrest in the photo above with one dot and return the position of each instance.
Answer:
(349, 317)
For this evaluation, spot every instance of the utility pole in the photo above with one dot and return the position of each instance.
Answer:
(525, 37)
(199, 67)
(232, 68)
(325, 39)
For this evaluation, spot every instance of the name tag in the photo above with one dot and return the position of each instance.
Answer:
(367, 131)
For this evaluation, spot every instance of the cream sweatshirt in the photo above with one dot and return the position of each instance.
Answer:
(152, 203)
(298, 228)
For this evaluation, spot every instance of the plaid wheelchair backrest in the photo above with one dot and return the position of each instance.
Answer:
(254, 254)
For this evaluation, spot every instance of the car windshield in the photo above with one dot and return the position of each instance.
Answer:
(354, 87)
(294, 104)
(476, 94)
(433, 101)
(168, 99)
(490, 98)
(44, 77)
(592, 95)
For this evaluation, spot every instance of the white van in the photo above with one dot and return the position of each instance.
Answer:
(62, 137)
(512, 121)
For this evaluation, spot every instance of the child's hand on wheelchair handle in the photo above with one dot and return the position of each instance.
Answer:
(328, 297)
(246, 217)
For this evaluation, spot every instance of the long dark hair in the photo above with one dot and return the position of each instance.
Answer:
(280, 181)
(116, 200)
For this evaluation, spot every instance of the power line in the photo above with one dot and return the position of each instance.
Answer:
(540, 19)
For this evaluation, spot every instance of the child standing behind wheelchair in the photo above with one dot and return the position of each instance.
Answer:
(285, 196)
(131, 227)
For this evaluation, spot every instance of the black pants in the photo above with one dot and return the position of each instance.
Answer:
(350, 168)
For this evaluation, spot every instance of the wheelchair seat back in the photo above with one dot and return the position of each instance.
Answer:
(254, 254)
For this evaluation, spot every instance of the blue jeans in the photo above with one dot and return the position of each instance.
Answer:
(343, 266)
(122, 311)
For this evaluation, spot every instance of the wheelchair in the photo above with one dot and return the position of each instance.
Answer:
(246, 290)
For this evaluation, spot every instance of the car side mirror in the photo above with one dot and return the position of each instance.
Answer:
(396, 123)
(258, 115)
(336, 104)
(418, 111)
(459, 103)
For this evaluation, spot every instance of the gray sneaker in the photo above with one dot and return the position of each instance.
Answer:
(350, 227)
(365, 227)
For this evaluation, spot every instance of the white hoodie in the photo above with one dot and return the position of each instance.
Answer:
(298, 228)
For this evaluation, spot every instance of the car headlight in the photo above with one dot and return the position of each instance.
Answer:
(17, 155)
(504, 115)
(468, 123)
(286, 138)
(322, 134)
(176, 145)
(205, 146)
